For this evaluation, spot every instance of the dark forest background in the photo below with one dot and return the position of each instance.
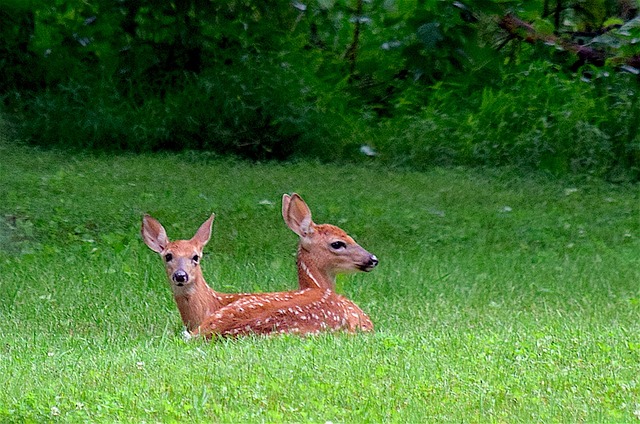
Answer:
(550, 85)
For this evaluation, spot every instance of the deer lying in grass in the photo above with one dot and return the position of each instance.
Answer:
(324, 251)
(195, 299)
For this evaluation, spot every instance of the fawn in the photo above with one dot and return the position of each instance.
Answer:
(195, 299)
(324, 251)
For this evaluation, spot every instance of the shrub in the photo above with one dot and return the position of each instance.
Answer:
(539, 118)
(425, 83)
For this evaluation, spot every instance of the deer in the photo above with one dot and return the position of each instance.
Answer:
(323, 251)
(195, 299)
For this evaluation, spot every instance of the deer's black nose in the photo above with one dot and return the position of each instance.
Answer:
(180, 276)
(369, 264)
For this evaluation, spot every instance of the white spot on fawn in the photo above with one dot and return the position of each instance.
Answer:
(306, 271)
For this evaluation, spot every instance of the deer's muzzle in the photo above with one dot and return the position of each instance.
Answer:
(371, 263)
(180, 277)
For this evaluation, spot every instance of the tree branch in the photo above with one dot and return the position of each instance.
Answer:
(524, 31)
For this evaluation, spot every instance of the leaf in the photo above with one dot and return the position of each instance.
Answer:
(430, 35)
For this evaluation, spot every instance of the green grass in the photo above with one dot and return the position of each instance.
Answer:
(499, 297)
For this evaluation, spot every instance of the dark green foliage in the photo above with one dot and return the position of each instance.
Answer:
(157, 75)
(424, 82)
(17, 70)
(487, 127)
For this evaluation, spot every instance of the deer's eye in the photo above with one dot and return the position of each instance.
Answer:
(168, 257)
(338, 245)
(195, 258)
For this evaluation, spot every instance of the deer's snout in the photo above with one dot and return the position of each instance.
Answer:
(371, 263)
(180, 277)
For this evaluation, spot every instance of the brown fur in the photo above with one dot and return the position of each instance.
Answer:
(196, 301)
(313, 308)
(307, 311)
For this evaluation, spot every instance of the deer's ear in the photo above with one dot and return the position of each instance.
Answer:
(153, 234)
(297, 215)
(203, 234)
(286, 200)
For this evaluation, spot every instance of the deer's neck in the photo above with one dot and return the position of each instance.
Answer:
(197, 303)
(310, 274)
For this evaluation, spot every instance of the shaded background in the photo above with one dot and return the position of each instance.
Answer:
(546, 85)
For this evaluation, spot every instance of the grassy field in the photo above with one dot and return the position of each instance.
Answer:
(499, 297)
